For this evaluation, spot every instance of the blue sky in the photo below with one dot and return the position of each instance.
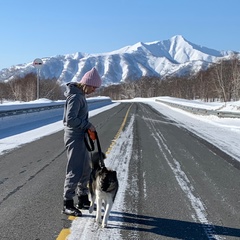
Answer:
(44, 28)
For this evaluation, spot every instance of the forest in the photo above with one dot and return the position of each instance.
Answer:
(219, 82)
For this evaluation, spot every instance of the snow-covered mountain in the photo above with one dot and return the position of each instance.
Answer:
(175, 56)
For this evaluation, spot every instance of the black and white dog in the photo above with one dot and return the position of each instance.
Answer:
(103, 187)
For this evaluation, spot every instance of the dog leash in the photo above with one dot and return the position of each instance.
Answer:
(91, 147)
(102, 165)
(89, 142)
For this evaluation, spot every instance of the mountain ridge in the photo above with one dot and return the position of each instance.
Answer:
(175, 56)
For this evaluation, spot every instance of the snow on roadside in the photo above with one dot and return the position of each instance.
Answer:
(24, 128)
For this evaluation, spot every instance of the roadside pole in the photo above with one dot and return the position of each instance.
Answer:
(38, 63)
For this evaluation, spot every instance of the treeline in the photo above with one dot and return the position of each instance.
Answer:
(25, 89)
(221, 81)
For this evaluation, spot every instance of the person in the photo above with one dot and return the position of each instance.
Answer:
(76, 123)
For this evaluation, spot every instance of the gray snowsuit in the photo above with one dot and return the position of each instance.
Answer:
(75, 120)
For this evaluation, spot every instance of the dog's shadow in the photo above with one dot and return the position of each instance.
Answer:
(169, 227)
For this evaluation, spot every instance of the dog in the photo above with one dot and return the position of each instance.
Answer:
(103, 187)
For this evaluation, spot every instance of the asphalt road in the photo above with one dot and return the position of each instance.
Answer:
(184, 188)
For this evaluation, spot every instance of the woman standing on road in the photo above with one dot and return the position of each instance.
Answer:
(76, 123)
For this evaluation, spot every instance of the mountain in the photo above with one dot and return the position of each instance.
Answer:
(175, 56)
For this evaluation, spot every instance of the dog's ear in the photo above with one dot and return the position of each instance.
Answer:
(104, 169)
(115, 174)
(104, 155)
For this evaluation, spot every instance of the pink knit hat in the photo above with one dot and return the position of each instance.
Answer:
(91, 78)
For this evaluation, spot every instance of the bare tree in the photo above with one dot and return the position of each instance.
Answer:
(24, 89)
(235, 70)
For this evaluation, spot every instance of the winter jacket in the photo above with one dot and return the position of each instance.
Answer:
(75, 117)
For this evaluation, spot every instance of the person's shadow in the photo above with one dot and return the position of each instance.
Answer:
(178, 229)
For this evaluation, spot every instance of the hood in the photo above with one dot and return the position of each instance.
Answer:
(72, 88)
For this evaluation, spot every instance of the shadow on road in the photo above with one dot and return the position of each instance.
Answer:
(172, 228)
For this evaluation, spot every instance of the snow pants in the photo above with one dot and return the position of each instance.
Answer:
(78, 166)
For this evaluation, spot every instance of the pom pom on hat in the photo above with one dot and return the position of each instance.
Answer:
(91, 78)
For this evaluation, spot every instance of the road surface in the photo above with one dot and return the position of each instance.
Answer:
(178, 186)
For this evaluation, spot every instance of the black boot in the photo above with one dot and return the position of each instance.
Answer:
(69, 209)
(83, 202)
